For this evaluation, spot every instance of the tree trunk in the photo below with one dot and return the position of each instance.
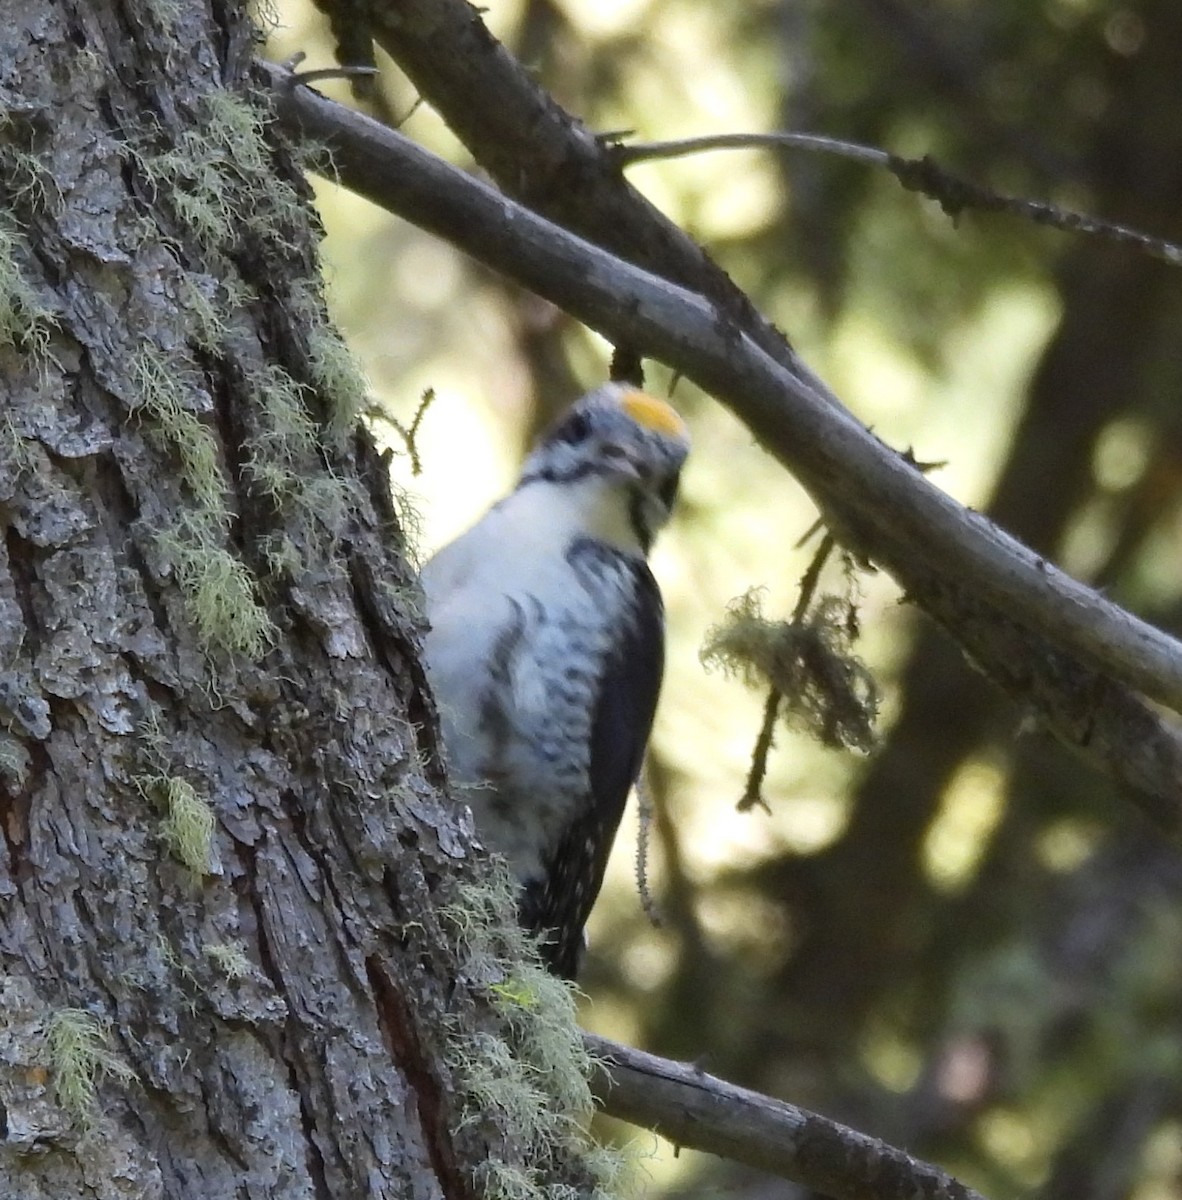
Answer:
(225, 967)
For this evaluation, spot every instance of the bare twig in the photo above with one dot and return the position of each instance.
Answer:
(811, 577)
(694, 1109)
(646, 812)
(752, 796)
(320, 74)
(753, 790)
(545, 158)
(410, 433)
(953, 193)
(627, 153)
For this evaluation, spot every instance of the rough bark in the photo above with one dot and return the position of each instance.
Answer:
(225, 848)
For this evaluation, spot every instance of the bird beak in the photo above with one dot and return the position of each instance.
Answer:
(633, 469)
(624, 462)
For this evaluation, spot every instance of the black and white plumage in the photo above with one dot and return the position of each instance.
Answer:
(546, 650)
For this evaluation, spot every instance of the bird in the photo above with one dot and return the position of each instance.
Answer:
(545, 652)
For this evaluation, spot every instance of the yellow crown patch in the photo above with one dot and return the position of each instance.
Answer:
(650, 413)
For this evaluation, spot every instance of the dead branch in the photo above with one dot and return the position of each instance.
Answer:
(952, 192)
(691, 1108)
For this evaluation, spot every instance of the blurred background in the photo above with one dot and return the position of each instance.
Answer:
(965, 942)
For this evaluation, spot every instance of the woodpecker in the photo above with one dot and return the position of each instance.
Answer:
(546, 650)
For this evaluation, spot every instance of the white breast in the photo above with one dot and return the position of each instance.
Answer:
(514, 655)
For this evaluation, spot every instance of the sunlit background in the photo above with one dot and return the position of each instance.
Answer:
(964, 943)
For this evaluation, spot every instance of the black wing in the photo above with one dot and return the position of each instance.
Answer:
(558, 906)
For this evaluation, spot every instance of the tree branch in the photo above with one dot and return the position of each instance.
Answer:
(694, 1109)
(1050, 641)
(545, 158)
(953, 193)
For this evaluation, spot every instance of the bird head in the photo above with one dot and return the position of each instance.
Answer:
(624, 440)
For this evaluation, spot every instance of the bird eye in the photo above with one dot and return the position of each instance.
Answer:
(611, 450)
(574, 429)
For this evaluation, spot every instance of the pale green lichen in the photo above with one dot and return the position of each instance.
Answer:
(216, 174)
(188, 825)
(218, 178)
(230, 958)
(167, 396)
(170, 958)
(499, 1180)
(281, 555)
(193, 177)
(25, 322)
(266, 16)
(232, 121)
(152, 737)
(165, 12)
(823, 686)
(284, 459)
(334, 370)
(284, 435)
(207, 301)
(78, 1057)
(332, 367)
(28, 181)
(219, 590)
(527, 1074)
